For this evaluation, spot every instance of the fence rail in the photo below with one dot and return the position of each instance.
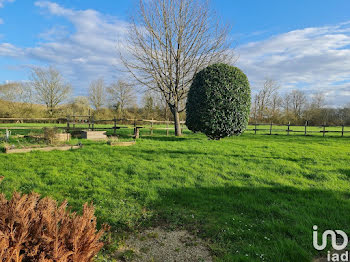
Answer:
(87, 122)
(72, 123)
(306, 129)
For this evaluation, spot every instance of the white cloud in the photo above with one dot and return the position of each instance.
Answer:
(86, 54)
(2, 2)
(89, 52)
(314, 59)
(10, 50)
(1, 21)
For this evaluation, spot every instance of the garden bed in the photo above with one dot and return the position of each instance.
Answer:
(121, 143)
(46, 149)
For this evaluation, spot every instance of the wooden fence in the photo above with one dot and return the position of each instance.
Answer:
(303, 129)
(92, 123)
(7, 120)
(73, 123)
(81, 122)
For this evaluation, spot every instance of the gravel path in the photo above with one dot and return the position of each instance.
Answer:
(159, 245)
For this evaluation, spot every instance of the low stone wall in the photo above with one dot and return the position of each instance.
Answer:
(91, 135)
(46, 149)
(121, 143)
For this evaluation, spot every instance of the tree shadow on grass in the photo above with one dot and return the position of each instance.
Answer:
(345, 173)
(251, 223)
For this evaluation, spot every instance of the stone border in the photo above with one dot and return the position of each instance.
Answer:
(121, 143)
(45, 149)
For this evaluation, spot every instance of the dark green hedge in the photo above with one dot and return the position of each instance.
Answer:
(218, 102)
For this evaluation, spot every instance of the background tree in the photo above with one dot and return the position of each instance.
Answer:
(19, 98)
(97, 93)
(148, 105)
(218, 103)
(50, 88)
(154, 106)
(315, 112)
(344, 115)
(80, 106)
(287, 107)
(298, 103)
(275, 107)
(267, 101)
(121, 96)
(169, 42)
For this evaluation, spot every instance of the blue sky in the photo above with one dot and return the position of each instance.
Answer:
(301, 44)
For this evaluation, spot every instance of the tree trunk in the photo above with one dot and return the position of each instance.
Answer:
(177, 122)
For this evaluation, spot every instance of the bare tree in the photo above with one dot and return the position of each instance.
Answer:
(169, 42)
(275, 107)
(49, 87)
(315, 112)
(79, 106)
(97, 93)
(121, 95)
(266, 101)
(16, 92)
(286, 105)
(318, 100)
(8, 91)
(19, 97)
(148, 101)
(298, 102)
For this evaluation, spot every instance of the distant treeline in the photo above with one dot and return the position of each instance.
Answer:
(119, 100)
(80, 106)
(268, 105)
(48, 95)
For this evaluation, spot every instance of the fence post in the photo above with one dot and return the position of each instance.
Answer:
(167, 127)
(288, 130)
(7, 135)
(305, 128)
(342, 130)
(92, 123)
(134, 126)
(74, 122)
(271, 128)
(115, 126)
(255, 129)
(152, 127)
(89, 119)
(324, 130)
(67, 124)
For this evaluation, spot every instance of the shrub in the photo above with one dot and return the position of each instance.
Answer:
(34, 229)
(50, 134)
(3, 147)
(218, 102)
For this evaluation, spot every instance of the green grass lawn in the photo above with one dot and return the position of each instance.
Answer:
(253, 197)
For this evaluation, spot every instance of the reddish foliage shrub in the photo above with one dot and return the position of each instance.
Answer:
(34, 229)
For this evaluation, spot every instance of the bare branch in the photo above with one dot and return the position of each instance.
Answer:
(49, 87)
(169, 42)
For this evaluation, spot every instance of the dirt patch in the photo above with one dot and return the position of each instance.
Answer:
(160, 245)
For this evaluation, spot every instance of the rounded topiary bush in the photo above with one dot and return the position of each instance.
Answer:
(218, 102)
